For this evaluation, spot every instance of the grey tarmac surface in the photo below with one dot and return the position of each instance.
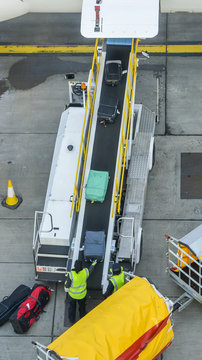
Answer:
(33, 93)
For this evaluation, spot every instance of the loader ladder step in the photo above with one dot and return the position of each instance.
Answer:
(183, 301)
(53, 251)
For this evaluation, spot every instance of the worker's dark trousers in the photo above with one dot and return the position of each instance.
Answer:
(72, 308)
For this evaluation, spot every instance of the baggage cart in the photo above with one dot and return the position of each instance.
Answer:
(185, 263)
(132, 323)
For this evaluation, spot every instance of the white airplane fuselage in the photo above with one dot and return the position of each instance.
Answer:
(12, 8)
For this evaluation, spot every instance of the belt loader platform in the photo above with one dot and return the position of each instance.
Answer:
(97, 217)
(125, 146)
(58, 237)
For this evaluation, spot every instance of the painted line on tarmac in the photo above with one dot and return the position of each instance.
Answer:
(46, 49)
(171, 49)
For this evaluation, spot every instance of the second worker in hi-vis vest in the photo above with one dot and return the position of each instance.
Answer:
(116, 281)
(76, 286)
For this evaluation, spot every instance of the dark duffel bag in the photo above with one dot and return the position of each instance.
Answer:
(30, 309)
(11, 303)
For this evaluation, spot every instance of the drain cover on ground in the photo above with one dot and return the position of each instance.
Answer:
(191, 176)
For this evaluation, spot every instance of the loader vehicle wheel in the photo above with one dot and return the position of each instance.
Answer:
(141, 245)
(153, 155)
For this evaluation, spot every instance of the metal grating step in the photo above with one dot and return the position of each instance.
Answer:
(135, 191)
(52, 262)
(53, 251)
(147, 122)
(125, 249)
(183, 301)
(50, 277)
(139, 167)
(141, 144)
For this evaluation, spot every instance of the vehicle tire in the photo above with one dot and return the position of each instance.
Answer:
(160, 357)
(153, 155)
(141, 246)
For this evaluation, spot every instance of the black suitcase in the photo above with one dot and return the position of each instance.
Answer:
(29, 310)
(94, 246)
(113, 72)
(108, 109)
(10, 303)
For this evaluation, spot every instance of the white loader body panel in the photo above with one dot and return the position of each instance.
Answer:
(61, 180)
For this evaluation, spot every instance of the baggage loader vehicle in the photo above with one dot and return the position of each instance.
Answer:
(81, 199)
(98, 180)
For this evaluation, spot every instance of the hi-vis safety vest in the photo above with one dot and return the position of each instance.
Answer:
(78, 288)
(118, 281)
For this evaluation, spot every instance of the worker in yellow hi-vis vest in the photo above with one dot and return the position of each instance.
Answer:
(116, 281)
(76, 286)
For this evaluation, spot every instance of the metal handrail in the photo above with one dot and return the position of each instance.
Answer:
(125, 218)
(131, 237)
(174, 242)
(83, 150)
(181, 269)
(49, 354)
(186, 275)
(182, 262)
(126, 120)
(36, 225)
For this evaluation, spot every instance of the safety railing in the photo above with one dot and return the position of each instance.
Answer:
(131, 236)
(184, 267)
(85, 136)
(36, 235)
(126, 121)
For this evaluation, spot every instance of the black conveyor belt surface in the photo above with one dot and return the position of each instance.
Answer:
(96, 217)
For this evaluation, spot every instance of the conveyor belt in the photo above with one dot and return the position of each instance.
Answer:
(96, 217)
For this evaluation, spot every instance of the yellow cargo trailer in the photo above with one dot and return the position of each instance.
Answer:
(133, 323)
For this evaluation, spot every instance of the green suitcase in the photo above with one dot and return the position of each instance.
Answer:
(96, 187)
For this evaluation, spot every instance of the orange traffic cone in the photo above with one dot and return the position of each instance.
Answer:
(11, 201)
